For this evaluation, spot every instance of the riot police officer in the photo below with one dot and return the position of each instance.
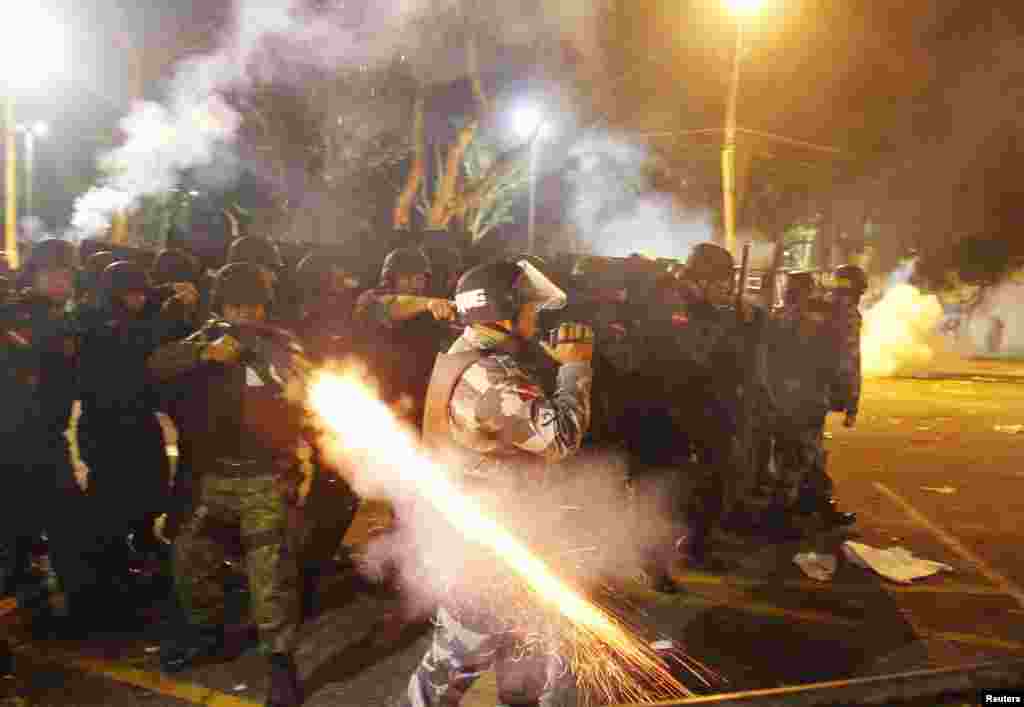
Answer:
(399, 317)
(41, 343)
(850, 285)
(491, 413)
(119, 435)
(250, 465)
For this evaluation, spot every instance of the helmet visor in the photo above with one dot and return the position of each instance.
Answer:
(538, 289)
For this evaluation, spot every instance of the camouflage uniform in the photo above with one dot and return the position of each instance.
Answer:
(245, 479)
(500, 419)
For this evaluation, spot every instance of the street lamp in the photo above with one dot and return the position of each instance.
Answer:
(30, 51)
(530, 123)
(36, 130)
(742, 10)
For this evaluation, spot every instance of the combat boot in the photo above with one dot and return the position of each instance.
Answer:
(284, 682)
(832, 517)
(192, 644)
(6, 659)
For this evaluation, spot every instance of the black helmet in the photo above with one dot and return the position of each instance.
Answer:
(123, 276)
(242, 283)
(173, 265)
(404, 262)
(800, 280)
(851, 277)
(96, 263)
(51, 253)
(315, 272)
(710, 262)
(494, 292)
(255, 250)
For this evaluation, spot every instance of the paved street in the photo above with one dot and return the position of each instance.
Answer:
(926, 469)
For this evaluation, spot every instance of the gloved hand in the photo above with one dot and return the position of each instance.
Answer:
(160, 528)
(442, 309)
(571, 343)
(227, 349)
(186, 292)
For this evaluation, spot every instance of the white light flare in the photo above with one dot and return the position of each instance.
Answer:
(363, 426)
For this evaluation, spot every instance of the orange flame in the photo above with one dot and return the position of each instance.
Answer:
(363, 425)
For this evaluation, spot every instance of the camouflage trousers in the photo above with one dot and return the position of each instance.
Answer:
(799, 462)
(256, 509)
(459, 655)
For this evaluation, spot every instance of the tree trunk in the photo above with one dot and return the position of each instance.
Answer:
(402, 215)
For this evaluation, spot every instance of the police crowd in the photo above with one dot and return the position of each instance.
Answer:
(699, 384)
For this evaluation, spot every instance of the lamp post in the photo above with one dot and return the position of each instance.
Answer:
(741, 9)
(32, 132)
(531, 124)
(27, 56)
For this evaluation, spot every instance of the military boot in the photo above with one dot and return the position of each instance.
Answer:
(6, 659)
(832, 517)
(284, 682)
(190, 645)
(826, 509)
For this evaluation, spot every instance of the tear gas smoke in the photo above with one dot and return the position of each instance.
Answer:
(994, 328)
(899, 332)
(617, 212)
(450, 543)
(270, 40)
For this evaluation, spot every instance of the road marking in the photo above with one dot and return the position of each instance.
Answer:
(1007, 585)
(149, 680)
(692, 578)
(975, 640)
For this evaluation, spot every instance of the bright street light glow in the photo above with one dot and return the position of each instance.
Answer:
(32, 49)
(41, 129)
(527, 118)
(744, 7)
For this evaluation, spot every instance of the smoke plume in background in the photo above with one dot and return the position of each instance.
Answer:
(274, 40)
(616, 211)
(994, 328)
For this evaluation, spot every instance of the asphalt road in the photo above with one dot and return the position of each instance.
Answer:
(926, 469)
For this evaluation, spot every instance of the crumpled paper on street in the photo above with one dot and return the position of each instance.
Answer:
(896, 564)
(816, 566)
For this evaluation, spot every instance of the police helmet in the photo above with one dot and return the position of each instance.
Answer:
(851, 277)
(315, 272)
(255, 250)
(710, 262)
(173, 265)
(404, 262)
(51, 253)
(802, 280)
(122, 277)
(98, 262)
(242, 283)
(495, 292)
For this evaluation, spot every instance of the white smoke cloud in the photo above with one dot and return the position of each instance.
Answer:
(899, 332)
(616, 211)
(276, 40)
